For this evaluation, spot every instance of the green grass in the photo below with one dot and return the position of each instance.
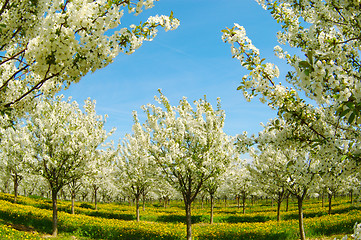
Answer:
(10, 231)
(116, 221)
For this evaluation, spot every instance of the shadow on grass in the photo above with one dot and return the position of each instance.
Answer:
(109, 215)
(345, 210)
(206, 219)
(182, 219)
(294, 216)
(28, 220)
(329, 229)
(248, 236)
(114, 233)
(240, 218)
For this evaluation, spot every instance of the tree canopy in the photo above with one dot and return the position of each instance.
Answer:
(45, 45)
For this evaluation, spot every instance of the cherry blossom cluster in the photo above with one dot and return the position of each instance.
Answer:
(48, 44)
(328, 73)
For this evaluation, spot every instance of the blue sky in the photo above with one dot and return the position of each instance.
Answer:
(191, 61)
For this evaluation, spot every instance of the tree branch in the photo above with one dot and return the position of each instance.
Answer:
(37, 86)
(4, 7)
(13, 57)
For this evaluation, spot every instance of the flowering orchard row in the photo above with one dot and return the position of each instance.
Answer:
(317, 222)
(310, 148)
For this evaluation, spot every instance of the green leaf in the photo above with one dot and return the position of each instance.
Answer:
(310, 56)
(343, 113)
(351, 118)
(350, 105)
(304, 64)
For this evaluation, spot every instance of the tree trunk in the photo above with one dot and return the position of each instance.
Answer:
(329, 203)
(137, 206)
(238, 197)
(63, 195)
(351, 196)
(225, 201)
(72, 202)
(54, 196)
(95, 198)
(244, 202)
(188, 206)
(323, 199)
(279, 209)
(6, 186)
(300, 218)
(16, 185)
(280, 198)
(212, 205)
(84, 195)
(287, 197)
(143, 202)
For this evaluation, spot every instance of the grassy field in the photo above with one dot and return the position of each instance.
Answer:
(30, 218)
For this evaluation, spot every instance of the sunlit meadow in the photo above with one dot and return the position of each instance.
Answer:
(117, 221)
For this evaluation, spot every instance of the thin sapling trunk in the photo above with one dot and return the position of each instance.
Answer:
(54, 196)
(279, 210)
(73, 202)
(300, 217)
(244, 202)
(212, 205)
(137, 197)
(329, 203)
(188, 207)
